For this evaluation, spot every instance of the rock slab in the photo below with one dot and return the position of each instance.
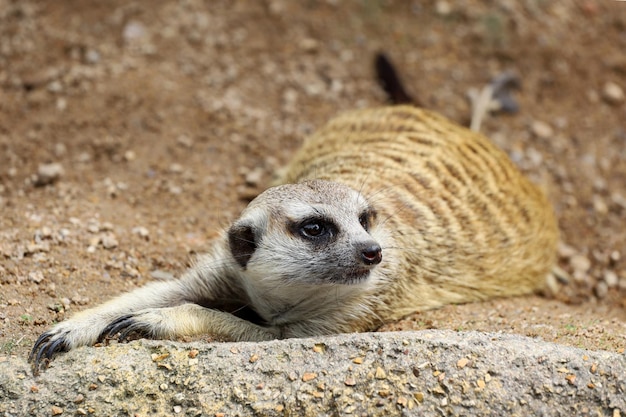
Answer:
(430, 372)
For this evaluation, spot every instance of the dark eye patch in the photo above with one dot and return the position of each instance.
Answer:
(366, 218)
(365, 221)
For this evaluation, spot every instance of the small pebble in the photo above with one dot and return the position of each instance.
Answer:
(109, 241)
(141, 231)
(80, 300)
(55, 86)
(308, 376)
(615, 256)
(601, 289)
(92, 56)
(350, 382)
(56, 410)
(184, 141)
(309, 45)
(161, 275)
(253, 178)
(619, 199)
(557, 275)
(580, 263)
(565, 251)
(48, 174)
(46, 232)
(175, 189)
(611, 279)
(60, 149)
(599, 206)
(443, 8)
(38, 247)
(36, 277)
(290, 96)
(133, 30)
(130, 155)
(176, 168)
(541, 129)
(613, 93)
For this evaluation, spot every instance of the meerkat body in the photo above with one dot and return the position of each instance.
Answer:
(382, 212)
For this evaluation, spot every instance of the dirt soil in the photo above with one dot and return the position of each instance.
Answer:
(132, 132)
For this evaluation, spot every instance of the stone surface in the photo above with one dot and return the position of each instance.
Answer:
(404, 373)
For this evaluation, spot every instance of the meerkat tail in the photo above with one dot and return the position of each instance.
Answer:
(389, 80)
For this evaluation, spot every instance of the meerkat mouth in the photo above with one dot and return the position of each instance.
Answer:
(355, 275)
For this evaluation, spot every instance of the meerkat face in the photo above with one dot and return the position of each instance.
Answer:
(314, 232)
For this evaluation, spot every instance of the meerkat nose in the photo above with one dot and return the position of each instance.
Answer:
(372, 254)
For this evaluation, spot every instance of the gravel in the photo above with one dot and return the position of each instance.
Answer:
(403, 373)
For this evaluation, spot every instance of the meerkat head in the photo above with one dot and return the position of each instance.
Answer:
(313, 232)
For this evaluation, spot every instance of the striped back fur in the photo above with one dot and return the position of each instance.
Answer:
(463, 223)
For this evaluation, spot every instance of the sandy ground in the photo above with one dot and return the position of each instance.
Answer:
(161, 119)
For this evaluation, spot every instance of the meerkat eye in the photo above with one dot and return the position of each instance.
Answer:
(312, 229)
(365, 221)
(316, 229)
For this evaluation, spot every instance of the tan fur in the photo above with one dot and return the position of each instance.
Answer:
(466, 224)
(456, 222)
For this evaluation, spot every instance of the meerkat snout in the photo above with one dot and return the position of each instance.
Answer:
(371, 253)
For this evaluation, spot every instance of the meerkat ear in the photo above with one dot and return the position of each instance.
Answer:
(242, 242)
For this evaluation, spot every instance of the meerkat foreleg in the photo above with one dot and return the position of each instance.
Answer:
(204, 284)
(189, 320)
(87, 327)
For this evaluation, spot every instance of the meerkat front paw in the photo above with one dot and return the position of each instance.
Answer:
(63, 337)
(70, 334)
(47, 346)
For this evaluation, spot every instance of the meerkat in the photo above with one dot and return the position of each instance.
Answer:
(382, 213)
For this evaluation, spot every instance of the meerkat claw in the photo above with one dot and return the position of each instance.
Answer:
(46, 347)
(119, 325)
(125, 326)
(40, 341)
